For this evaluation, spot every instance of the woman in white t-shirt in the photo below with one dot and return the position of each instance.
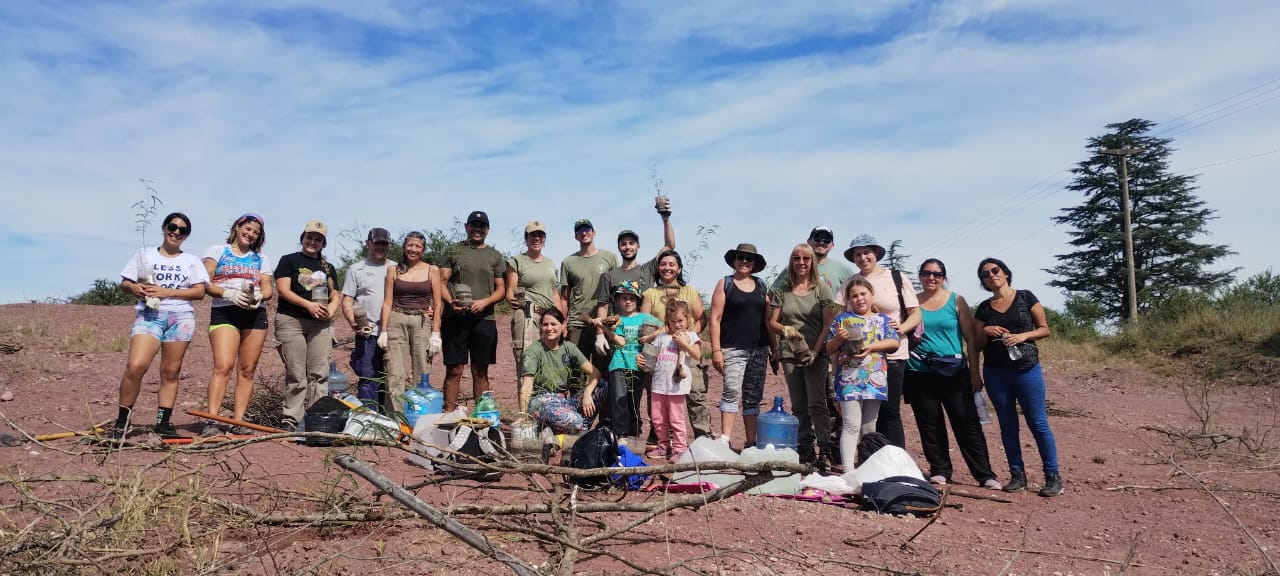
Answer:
(900, 304)
(165, 280)
(240, 277)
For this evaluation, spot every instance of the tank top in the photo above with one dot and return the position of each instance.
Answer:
(411, 295)
(941, 337)
(742, 324)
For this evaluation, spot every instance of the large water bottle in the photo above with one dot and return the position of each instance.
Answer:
(337, 381)
(776, 427)
(421, 401)
(487, 407)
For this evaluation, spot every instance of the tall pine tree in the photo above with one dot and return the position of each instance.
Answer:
(1167, 218)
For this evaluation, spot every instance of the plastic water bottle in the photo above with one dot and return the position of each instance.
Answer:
(980, 400)
(337, 381)
(487, 407)
(421, 401)
(776, 427)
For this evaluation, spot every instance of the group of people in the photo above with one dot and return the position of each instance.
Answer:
(592, 336)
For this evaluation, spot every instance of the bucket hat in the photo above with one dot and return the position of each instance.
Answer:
(864, 241)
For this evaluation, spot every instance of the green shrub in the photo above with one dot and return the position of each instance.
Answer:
(104, 293)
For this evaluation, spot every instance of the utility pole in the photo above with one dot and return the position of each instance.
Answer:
(1124, 153)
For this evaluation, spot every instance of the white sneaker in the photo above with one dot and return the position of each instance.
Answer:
(939, 480)
(992, 484)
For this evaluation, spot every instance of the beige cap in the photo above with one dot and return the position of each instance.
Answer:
(317, 227)
(535, 226)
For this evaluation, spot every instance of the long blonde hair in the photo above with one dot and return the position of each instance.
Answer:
(812, 276)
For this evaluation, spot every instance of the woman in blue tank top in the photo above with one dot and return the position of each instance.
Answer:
(939, 381)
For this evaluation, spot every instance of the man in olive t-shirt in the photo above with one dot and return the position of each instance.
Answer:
(470, 331)
(580, 274)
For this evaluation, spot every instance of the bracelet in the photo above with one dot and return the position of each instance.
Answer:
(717, 350)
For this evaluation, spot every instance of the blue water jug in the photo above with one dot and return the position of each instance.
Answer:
(337, 381)
(777, 427)
(423, 400)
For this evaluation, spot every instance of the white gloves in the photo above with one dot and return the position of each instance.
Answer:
(237, 297)
(790, 332)
(602, 344)
(382, 340)
(433, 344)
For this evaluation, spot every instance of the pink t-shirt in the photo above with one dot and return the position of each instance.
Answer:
(886, 299)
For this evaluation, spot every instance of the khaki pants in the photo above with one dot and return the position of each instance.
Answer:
(524, 332)
(407, 359)
(696, 402)
(305, 344)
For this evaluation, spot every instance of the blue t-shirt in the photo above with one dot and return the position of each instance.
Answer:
(941, 335)
(868, 378)
(624, 357)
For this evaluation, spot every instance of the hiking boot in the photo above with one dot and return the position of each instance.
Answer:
(210, 430)
(165, 430)
(118, 431)
(822, 464)
(1017, 481)
(1052, 485)
(807, 454)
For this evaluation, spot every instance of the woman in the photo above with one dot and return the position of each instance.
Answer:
(800, 310)
(1008, 324)
(165, 281)
(895, 298)
(937, 379)
(531, 289)
(410, 331)
(670, 284)
(241, 282)
(557, 382)
(308, 302)
(740, 342)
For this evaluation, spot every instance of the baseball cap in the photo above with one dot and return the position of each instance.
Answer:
(822, 231)
(582, 223)
(535, 226)
(631, 233)
(478, 216)
(316, 226)
(379, 235)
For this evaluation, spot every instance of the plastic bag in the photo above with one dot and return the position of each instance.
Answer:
(886, 462)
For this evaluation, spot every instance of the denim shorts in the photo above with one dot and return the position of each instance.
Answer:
(165, 326)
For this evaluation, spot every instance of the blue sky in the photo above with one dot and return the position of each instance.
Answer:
(948, 125)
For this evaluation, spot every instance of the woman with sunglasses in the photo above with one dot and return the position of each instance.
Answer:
(938, 379)
(1008, 324)
(241, 282)
(165, 281)
(801, 309)
(308, 302)
(740, 342)
(669, 285)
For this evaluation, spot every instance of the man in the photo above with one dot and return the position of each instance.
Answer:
(832, 271)
(580, 275)
(469, 331)
(365, 284)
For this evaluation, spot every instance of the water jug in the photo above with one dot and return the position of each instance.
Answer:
(487, 407)
(777, 427)
(421, 401)
(708, 449)
(980, 401)
(337, 381)
(783, 482)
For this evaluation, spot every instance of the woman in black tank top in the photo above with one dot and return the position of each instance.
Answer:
(740, 342)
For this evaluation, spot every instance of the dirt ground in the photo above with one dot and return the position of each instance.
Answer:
(1137, 501)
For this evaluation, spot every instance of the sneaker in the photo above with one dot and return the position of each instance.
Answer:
(1017, 481)
(238, 430)
(1052, 485)
(210, 430)
(655, 452)
(165, 430)
(675, 457)
(938, 479)
(118, 431)
(991, 484)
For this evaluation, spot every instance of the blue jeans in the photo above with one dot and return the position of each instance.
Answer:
(1008, 389)
(367, 363)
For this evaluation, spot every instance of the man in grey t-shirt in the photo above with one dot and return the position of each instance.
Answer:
(364, 284)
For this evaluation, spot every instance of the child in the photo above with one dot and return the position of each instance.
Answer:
(678, 348)
(625, 384)
(860, 338)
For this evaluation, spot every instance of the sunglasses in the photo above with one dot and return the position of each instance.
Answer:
(181, 230)
(931, 274)
(745, 258)
(823, 239)
(989, 272)
(801, 259)
(582, 231)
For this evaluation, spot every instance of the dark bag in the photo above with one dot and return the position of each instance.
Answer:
(596, 449)
(945, 366)
(629, 459)
(484, 445)
(915, 336)
(901, 495)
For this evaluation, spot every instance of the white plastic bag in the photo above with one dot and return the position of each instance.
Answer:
(887, 461)
(829, 484)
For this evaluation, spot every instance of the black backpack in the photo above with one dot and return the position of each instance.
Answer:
(901, 495)
(596, 449)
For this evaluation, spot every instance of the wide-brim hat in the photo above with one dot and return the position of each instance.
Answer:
(747, 249)
(864, 241)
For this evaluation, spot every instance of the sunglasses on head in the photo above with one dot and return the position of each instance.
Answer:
(989, 272)
(931, 274)
(181, 230)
